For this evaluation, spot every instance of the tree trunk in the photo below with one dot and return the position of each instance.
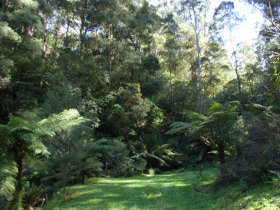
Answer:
(238, 77)
(5, 5)
(239, 150)
(170, 83)
(64, 193)
(199, 62)
(45, 45)
(221, 154)
(83, 30)
(110, 56)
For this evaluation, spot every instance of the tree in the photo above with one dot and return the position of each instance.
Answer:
(194, 7)
(126, 112)
(224, 16)
(215, 130)
(218, 127)
(22, 137)
(218, 66)
(270, 35)
(269, 7)
(172, 47)
(73, 159)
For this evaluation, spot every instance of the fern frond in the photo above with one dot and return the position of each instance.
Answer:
(161, 148)
(21, 130)
(8, 174)
(216, 107)
(194, 116)
(157, 158)
(59, 122)
(37, 147)
(16, 121)
(4, 130)
(178, 127)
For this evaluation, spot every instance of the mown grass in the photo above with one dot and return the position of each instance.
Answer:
(172, 190)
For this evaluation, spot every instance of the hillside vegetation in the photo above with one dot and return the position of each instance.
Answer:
(117, 88)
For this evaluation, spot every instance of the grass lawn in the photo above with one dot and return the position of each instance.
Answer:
(172, 190)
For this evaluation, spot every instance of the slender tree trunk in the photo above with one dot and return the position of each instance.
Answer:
(83, 29)
(110, 56)
(199, 61)
(235, 62)
(45, 46)
(5, 5)
(65, 138)
(239, 150)
(221, 154)
(238, 77)
(64, 193)
(170, 82)
(110, 72)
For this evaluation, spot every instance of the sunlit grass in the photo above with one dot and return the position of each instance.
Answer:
(172, 190)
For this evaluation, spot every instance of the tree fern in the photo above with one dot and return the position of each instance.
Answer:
(144, 154)
(21, 137)
(214, 130)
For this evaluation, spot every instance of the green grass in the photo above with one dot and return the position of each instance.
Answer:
(172, 190)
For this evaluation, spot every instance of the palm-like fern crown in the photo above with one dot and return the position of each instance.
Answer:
(21, 134)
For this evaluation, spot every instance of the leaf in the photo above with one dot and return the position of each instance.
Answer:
(6, 32)
(59, 122)
(4, 131)
(194, 115)
(216, 107)
(178, 127)
(157, 158)
(8, 172)
(38, 148)
(21, 130)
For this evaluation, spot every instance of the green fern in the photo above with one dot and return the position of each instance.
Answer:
(8, 172)
(179, 127)
(59, 122)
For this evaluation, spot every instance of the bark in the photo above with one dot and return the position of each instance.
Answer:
(170, 83)
(110, 56)
(83, 29)
(221, 154)
(238, 77)
(199, 62)
(239, 150)
(202, 154)
(64, 193)
(45, 44)
(5, 5)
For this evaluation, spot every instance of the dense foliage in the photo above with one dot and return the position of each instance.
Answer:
(101, 88)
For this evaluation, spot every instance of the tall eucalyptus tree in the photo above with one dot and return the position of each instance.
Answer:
(225, 16)
(191, 9)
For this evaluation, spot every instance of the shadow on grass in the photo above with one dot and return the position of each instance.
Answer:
(167, 191)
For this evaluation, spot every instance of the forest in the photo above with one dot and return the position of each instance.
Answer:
(120, 88)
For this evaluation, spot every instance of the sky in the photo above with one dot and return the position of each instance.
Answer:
(247, 31)
(252, 19)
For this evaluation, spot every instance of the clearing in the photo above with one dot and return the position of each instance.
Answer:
(171, 190)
